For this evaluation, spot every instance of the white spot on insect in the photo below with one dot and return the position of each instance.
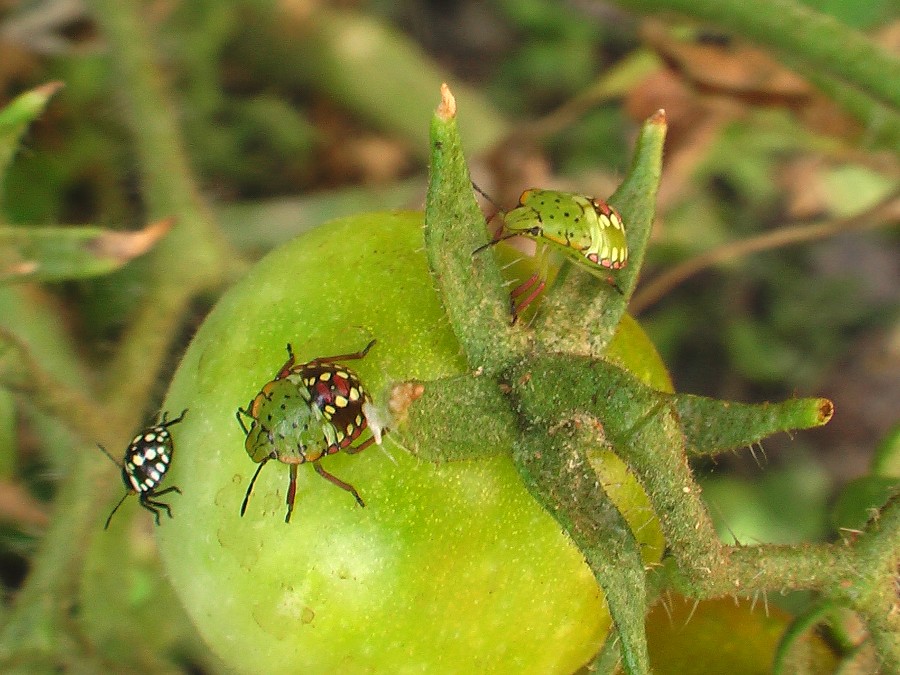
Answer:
(137, 460)
(604, 253)
(161, 467)
(155, 475)
(149, 438)
(150, 454)
(135, 440)
(135, 483)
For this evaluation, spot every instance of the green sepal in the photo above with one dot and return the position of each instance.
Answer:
(472, 287)
(712, 426)
(579, 314)
(482, 423)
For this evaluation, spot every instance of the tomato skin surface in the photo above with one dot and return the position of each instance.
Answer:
(449, 568)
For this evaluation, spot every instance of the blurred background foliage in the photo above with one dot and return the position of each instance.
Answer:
(773, 270)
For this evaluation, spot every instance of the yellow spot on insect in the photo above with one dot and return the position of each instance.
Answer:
(343, 374)
(340, 401)
(350, 428)
(330, 409)
(604, 253)
(354, 394)
(359, 420)
(325, 376)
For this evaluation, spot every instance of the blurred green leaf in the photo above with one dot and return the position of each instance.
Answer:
(782, 506)
(887, 456)
(7, 434)
(726, 636)
(850, 189)
(860, 499)
(15, 118)
(61, 253)
(871, 14)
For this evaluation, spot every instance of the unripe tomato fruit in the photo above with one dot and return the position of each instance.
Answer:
(449, 568)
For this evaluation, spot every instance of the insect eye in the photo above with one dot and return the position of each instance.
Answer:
(535, 231)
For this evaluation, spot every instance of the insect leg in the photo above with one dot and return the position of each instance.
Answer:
(286, 368)
(334, 480)
(156, 507)
(536, 282)
(291, 493)
(164, 423)
(362, 446)
(241, 411)
(347, 357)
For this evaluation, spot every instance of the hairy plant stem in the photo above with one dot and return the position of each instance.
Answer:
(556, 470)
(813, 40)
(193, 257)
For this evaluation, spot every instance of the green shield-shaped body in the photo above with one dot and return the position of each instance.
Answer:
(286, 423)
(589, 231)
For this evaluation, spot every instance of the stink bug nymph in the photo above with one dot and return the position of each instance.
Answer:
(146, 461)
(308, 411)
(588, 231)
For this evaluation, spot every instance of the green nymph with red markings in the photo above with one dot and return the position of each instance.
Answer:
(308, 411)
(586, 230)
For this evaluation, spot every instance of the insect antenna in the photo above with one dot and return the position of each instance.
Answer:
(112, 459)
(250, 488)
(116, 508)
(493, 242)
(490, 199)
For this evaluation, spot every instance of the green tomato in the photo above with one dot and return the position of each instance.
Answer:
(449, 568)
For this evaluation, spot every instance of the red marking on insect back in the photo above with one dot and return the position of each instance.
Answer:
(324, 394)
(603, 207)
(594, 258)
(342, 385)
